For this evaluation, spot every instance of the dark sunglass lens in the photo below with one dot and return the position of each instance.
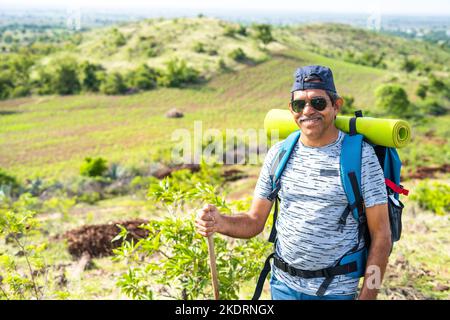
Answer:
(298, 105)
(319, 103)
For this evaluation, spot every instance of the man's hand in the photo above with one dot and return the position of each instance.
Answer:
(207, 220)
(243, 225)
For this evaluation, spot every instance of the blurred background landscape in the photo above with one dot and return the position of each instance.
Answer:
(90, 95)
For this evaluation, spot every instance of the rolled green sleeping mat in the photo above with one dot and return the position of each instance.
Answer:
(384, 132)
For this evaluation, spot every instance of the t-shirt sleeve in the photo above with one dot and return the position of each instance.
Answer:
(264, 185)
(372, 178)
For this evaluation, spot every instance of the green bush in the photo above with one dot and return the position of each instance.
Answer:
(177, 74)
(25, 277)
(90, 76)
(422, 91)
(113, 84)
(93, 167)
(242, 30)
(238, 55)
(263, 32)
(60, 77)
(408, 65)
(117, 38)
(393, 100)
(143, 78)
(348, 106)
(229, 31)
(433, 196)
(8, 182)
(181, 270)
(199, 47)
(65, 77)
(434, 108)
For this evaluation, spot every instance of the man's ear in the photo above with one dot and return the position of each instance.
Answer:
(338, 104)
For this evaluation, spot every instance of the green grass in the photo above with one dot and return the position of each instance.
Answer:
(50, 136)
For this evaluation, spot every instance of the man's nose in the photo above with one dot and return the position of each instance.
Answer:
(308, 109)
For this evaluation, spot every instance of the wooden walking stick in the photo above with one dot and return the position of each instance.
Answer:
(212, 262)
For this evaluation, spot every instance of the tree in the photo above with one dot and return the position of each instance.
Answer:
(177, 74)
(66, 78)
(263, 32)
(113, 84)
(89, 76)
(143, 78)
(6, 85)
(393, 100)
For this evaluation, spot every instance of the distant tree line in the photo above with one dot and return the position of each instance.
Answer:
(68, 76)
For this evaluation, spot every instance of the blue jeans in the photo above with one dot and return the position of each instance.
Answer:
(280, 291)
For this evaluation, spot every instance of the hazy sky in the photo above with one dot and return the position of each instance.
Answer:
(403, 7)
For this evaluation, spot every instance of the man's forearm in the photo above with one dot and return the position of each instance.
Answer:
(242, 226)
(375, 268)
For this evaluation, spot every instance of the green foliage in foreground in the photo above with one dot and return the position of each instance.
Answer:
(22, 273)
(433, 196)
(172, 261)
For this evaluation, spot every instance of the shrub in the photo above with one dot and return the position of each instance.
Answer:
(117, 38)
(90, 76)
(181, 270)
(25, 277)
(422, 91)
(177, 74)
(229, 31)
(199, 47)
(263, 32)
(113, 84)
(8, 182)
(93, 167)
(433, 107)
(242, 30)
(434, 196)
(238, 55)
(393, 100)
(143, 78)
(408, 65)
(65, 77)
(348, 107)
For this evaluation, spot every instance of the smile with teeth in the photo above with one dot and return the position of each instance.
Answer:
(312, 120)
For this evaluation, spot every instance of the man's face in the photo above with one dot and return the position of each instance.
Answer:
(314, 123)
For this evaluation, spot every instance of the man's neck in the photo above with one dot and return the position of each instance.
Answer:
(329, 137)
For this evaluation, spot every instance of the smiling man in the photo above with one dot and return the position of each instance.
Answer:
(310, 242)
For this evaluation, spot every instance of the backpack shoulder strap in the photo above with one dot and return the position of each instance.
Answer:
(280, 161)
(350, 166)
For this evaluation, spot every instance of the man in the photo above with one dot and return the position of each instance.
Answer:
(312, 200)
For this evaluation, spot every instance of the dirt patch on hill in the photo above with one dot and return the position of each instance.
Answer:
(96, 239)
(429, 172)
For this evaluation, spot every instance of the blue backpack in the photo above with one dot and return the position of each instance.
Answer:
(353, 263)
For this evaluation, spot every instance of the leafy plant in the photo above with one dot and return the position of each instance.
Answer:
(21, 278)
(393, 100)
(238, 54)
(177, 74)
(263, 32)
(172, 259)
(433, 196)
(93, 167)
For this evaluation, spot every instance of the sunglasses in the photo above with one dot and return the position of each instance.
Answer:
(318, 103)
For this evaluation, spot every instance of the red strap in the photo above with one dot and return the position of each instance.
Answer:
(396, 188)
